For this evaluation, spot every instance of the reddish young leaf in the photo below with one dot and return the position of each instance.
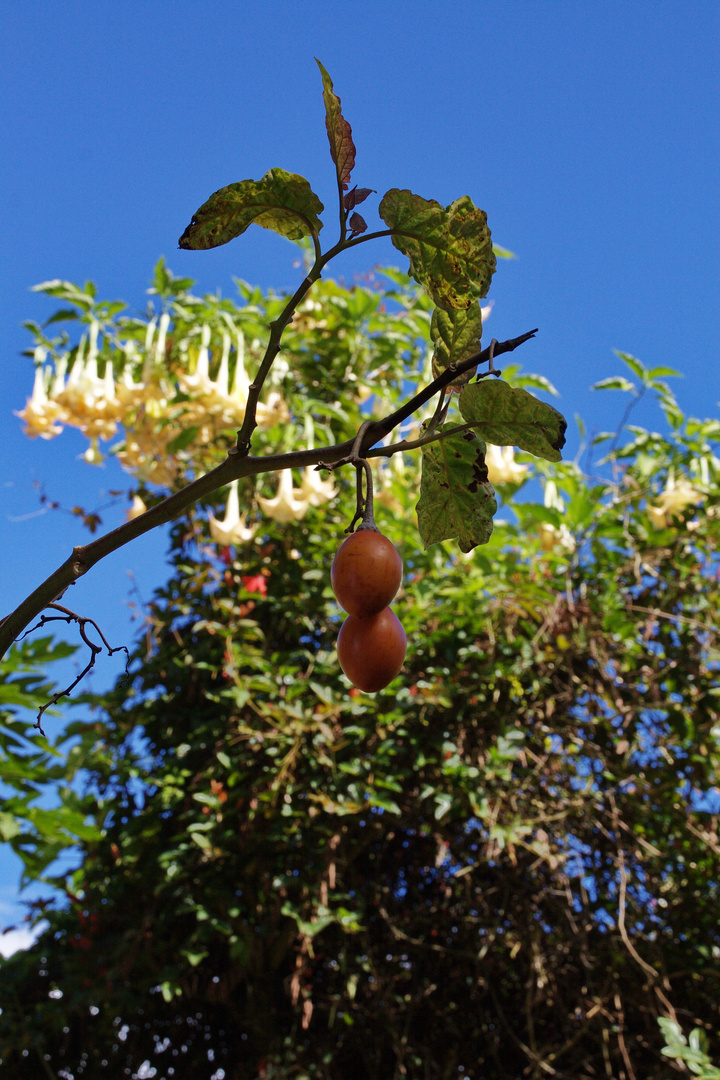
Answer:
(342, 147)
(356, 195)
(357, 224)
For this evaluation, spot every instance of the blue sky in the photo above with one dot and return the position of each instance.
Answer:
(588, 132)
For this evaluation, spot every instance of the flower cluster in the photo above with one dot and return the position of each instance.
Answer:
(163, 409)
(290, 504)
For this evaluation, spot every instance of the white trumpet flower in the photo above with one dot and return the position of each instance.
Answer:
(502, 467)
(233, 529)
(316, 490)
(161, 338)
(288, 504)
(42, 416)
(678, 495)
(552, 537)
(199, 382)
(93, 455)
(138, 507)
(241, 381)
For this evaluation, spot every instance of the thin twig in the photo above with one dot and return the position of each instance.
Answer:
(69, 616)
(622, 896)
(621, 1038)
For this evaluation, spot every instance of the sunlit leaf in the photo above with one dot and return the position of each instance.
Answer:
(456, 500)
(456, 335)
(510, 416)
(66, 290)
(280, 200)
(614, 382)
(450, 249)
(634, 364)
(342, 148)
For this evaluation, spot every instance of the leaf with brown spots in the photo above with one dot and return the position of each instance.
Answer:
(450, 249)
(280, 200)
(456, 500)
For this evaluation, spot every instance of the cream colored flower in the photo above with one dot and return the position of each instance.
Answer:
(658, 517)
(93, 455)
(159, 350)
(136, 510)
(678, 494)
(288, 505)
(502, 467)
(552, 537)
(199, 382)
(41, 415)
(274, 411)
(316, 490)
(128, 391)
(551, 497)
(90, 403)
(233, 528)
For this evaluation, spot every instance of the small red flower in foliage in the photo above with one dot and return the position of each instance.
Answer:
(256, 583)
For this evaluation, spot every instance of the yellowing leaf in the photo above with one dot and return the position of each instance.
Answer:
(456, 335)
(456, 500)
(280, 200)
(450, 249)
(508, 416)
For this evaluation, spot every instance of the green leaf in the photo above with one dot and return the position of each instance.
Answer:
(281, 201)
(456, 335)
(165, 283)
(615, 382)
(65, 290)
(342, 148)
(183, 439)
(8, 827)
(450, 250)
(63, 315)
(663, 373)
(672, 1031)
(443, 802)
(384, 803)
(510, 416)
(503, 253)
(201, 840)
(634, 364)
(538, 382)
(456, 501)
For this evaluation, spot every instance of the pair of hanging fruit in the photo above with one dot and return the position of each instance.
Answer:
(365, 576)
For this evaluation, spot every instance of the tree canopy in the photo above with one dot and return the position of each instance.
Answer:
(504, 863)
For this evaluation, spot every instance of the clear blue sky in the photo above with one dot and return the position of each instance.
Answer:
(588, 132)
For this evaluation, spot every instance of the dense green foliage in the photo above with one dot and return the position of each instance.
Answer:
(504, 865)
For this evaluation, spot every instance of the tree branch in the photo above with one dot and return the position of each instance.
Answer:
(235, 466)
